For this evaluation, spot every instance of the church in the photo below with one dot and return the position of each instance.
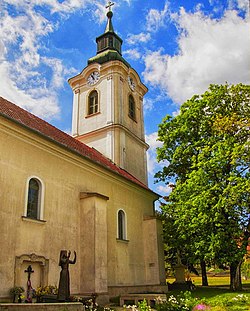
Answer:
(87, 192)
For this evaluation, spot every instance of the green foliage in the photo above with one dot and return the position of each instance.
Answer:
(237, 302)
(207, 146)
(46, 290)
(184, 301)
(16, 290)
(245, 269)
(143, 306)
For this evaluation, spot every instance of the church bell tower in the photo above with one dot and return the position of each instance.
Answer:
(108, 105)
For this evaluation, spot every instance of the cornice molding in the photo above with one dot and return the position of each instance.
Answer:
(110, 127)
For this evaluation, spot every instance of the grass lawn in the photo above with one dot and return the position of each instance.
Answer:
(219, 294)
(222, 297)
(213, 281)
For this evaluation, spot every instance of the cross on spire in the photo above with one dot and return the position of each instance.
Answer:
(108, 6)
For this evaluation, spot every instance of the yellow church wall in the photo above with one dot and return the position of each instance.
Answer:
(27, 236)
(65, 175)
(128, 255)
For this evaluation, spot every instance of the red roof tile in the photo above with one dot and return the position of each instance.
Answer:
(27, 119)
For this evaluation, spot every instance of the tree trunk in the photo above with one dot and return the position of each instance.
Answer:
(235, 276)
(203, 273)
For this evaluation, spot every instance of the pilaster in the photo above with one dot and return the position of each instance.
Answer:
(75, 113)
(153, 251)
(93, 243)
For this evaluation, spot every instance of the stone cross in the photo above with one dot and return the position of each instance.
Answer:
(29, 271)
(109, 5)
(29, 286)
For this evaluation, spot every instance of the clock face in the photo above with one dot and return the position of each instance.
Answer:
(93, 77)
(131, 83)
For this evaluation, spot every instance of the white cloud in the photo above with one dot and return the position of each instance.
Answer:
(41, 102)
(21, 65)
(148, 104)
(153, 165)
(176, 113)
(100, 12)
(55, 6)
(156, 19)
(210, 51)
(28, 78)
(164, 189)
(152, 141)
(141, 37)
(20, 78)
(132, 54)
(243, 5)
(59, 72)
(240, 4)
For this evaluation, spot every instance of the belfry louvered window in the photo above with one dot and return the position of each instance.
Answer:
(131, 103)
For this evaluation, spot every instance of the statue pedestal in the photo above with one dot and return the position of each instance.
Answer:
(47, 299)
(180, 273)
(70, 306)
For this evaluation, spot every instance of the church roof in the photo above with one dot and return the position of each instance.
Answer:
(48, 131)
(107, 56)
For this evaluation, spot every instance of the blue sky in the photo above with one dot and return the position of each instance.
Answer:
(177, 47)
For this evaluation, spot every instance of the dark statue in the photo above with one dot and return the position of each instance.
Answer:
(64, 283)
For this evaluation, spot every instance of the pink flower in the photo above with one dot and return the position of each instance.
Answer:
(201, 307)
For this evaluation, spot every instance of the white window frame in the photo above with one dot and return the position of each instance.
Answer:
(96, 104)
(124, 237)
(40, 198)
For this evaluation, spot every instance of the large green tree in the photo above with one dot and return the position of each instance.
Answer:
(208, 149)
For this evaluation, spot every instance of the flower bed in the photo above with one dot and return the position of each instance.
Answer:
(186, 302)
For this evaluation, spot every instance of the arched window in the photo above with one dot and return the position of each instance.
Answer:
(93, 103)
(121, 225)
(34, 199)
(131, 103)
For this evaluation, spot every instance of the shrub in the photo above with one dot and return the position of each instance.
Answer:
(181, 302)
(143, 306)
(46, 290)
(16, 291)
